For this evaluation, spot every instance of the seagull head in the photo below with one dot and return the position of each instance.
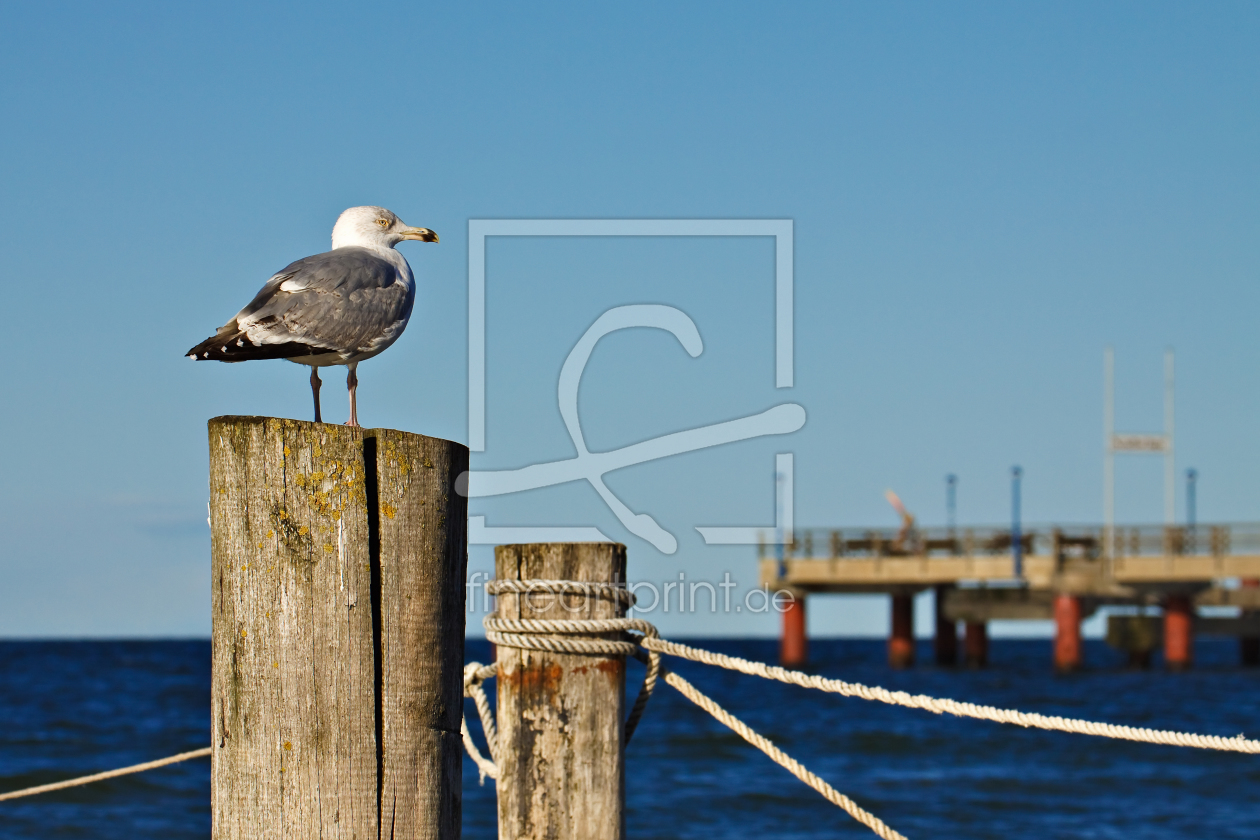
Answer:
(375, 227)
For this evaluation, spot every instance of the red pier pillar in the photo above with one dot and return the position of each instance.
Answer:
(945, 642)
(1067, 632)
(901, 640)
(794, 645)
(1178, 632)
(976, 644)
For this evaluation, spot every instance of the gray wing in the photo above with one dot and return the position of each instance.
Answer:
(347, 301)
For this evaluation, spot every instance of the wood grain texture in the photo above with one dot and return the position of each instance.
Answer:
(561, 717)
(424, 556)
(332, 584)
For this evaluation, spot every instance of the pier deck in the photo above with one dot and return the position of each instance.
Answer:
(1128, 577)
(1064, 573)
(1073, 560)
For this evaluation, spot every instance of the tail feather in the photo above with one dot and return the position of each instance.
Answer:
(231, 344)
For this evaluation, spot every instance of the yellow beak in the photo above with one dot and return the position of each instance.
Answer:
(420, 234)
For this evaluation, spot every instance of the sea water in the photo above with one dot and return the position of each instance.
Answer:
(72, 708)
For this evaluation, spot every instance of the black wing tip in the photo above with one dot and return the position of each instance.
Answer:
(237, 348)
(201, 351)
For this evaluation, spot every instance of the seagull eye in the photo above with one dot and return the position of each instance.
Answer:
(383, 222)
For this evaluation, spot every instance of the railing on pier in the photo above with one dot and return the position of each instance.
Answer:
(1083, 541)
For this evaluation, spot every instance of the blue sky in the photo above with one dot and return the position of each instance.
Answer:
(983, 196)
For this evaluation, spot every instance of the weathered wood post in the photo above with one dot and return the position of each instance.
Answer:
(338, 568)
(561, 716)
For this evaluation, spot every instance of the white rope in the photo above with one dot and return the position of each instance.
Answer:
(109, 774)
(474, 674)
(784, 760)
(953, 707)
(575, 636)
(570, 636)
(550, 634)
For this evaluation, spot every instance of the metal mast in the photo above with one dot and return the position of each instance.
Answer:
(1109, 456)
(1192, 512)
(1170, 475)
(1017, 537)
(1161, 444)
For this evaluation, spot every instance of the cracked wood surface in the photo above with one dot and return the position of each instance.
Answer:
(338, 568)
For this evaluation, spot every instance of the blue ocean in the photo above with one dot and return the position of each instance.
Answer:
(72, 708)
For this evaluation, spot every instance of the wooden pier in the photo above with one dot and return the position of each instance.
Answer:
(1061, 573)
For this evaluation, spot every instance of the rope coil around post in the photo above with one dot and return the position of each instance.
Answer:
(573, 636)
(581, 637)
(570, 636)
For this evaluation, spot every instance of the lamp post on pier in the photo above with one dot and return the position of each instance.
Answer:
(1192, 481)
(945, 642)
(1017, 538)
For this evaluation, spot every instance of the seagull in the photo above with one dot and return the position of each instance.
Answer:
(335, 308)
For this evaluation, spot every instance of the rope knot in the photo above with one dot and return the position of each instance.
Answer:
(572, 636)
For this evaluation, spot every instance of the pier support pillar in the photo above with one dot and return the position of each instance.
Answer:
(946, 640)
(794, 644)
(1067, 633)
(901, 639)
(976, 644)
(1139, 660)
(1249, 646)
(1178, 632)
(1249, 651)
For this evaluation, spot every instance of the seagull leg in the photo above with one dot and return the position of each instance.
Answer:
(315, 383)
(352, 382)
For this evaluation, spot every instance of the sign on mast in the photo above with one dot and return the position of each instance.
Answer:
(1139, 443)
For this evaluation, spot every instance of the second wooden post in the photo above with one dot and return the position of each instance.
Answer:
(561, 716)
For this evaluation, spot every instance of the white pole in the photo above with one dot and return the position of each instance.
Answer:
(1170, 477)
(1109, 462)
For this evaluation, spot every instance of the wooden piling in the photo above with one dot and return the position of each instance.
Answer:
(561, 716)
(338, 568)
